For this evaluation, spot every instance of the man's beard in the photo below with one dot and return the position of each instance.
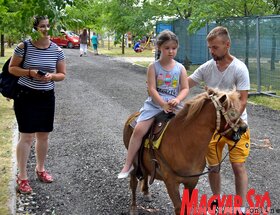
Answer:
(218, 58)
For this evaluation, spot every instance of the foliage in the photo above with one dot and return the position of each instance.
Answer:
(274, 6)
(121, 16)
(84, 14)
(16, 17)
(214, 11)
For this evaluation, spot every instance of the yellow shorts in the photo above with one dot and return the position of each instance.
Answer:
(237, 155)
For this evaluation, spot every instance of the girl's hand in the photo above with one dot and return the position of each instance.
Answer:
(167, 107)
(174, 102)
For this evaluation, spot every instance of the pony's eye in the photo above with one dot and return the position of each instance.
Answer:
(232, 113)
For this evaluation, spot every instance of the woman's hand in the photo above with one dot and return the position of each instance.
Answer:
(45, 78)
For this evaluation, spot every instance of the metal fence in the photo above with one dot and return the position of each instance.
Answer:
(255, 41)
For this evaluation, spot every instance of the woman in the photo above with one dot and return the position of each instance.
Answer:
(34, 103)
(83, 43)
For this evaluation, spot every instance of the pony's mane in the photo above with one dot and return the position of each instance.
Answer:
(193, 106)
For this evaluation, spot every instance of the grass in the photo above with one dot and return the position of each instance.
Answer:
(128, 52)
(6, 150)
(6, 135)
(271, 102)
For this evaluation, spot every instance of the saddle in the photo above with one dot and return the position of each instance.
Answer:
(152, 141)
(158, 127)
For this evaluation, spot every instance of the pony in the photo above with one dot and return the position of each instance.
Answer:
(181, 155)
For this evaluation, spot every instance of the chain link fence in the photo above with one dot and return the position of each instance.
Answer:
(255, 41)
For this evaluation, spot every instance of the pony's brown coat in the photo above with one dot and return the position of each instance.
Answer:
(184, 145)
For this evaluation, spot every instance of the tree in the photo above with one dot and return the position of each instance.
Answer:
(84, 14)
(16, 16)
(219, 11)
(122, 16)
(274, 6)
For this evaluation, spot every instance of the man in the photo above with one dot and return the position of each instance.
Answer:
(226, 72)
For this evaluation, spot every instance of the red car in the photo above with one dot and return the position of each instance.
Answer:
(67, 39)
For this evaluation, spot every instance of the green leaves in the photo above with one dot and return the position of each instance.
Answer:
(121, 16)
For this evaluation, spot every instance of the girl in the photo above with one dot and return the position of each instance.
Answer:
(167, 87)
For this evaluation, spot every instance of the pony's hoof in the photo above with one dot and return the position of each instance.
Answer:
(147, 197)
(133, 210)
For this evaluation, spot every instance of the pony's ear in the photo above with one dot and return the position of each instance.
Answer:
(223, 99)
(210, 91)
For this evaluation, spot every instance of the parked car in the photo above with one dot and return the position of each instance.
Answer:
(67, 39)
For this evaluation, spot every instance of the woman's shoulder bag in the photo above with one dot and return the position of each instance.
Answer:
(8, 81)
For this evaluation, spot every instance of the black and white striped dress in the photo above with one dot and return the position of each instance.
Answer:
(34, 103)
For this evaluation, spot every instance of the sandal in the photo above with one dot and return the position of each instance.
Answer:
(23, 186)
(44, 176)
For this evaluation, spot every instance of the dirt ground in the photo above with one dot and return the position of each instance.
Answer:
(86, 149)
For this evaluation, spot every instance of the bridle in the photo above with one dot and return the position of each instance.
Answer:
(237, 130)
(220, 109)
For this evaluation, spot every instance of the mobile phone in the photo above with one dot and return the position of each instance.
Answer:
(42, 73)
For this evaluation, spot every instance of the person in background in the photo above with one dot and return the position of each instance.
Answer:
(226, 72)
(167, 87)
(83, 43)
(137, 47)
(94, 41)
(34, 104)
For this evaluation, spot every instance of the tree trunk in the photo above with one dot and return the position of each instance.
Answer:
(273, 52)
(246, 13)
(89, 37)
(247, 43)
(108, 41)
(123, 44)
(2, 46)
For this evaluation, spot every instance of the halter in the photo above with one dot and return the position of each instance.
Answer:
(221, 109)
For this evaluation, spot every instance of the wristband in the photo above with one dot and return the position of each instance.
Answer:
(29, 73)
